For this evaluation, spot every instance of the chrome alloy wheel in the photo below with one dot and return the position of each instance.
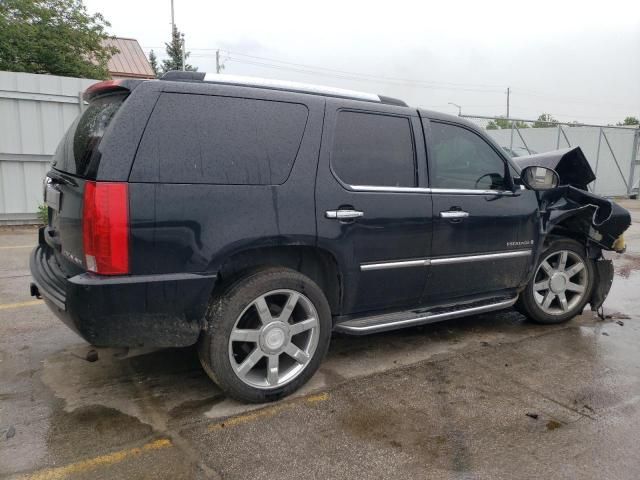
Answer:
(560, 282)
(274, 339)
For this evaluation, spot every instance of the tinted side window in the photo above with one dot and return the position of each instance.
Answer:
(222, 140)
(461, 159)
(372, 149)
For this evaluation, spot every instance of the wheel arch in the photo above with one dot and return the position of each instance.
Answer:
(316, 263)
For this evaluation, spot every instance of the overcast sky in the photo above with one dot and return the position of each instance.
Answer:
(578, 60)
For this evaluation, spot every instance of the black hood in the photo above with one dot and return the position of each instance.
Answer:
(570, 163)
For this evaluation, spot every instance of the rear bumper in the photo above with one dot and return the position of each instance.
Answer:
(129, 311)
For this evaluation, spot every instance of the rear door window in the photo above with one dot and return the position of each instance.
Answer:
(222, 140)
(374, 149)
(77, 153)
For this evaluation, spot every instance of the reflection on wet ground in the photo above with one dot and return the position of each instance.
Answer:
(490, 396)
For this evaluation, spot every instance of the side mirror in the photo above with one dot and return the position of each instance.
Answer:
(539, 178)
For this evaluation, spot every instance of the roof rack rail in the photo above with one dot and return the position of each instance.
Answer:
(180, 76)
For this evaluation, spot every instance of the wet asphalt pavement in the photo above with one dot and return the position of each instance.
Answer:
(490, 396)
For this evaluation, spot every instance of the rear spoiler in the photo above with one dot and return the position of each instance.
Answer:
(109, 86)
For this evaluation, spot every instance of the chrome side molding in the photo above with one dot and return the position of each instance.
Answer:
(419, 262)
(480, 258)
(424, 262)
(445, 191)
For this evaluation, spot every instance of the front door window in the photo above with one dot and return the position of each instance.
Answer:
(460, 159)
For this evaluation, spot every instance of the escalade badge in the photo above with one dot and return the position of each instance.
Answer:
(520, 244)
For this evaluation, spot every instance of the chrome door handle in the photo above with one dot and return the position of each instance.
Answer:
(454, 214)
(343, 214)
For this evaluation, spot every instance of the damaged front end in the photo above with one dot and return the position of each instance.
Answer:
(570, 210)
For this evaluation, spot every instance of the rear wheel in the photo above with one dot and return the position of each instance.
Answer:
(268, 333)
(561, 285)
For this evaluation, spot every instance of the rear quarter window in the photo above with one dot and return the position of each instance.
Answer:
(221, 140)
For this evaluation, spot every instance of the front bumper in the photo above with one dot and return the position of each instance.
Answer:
(125, 311)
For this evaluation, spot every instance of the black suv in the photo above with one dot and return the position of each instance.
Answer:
(256, 217)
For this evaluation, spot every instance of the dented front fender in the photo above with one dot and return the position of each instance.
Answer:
(596, 219)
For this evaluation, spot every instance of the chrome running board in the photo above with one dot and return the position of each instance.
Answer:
(381, 323)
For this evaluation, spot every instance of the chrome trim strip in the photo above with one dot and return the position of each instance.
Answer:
(375, 188)
(366, 267)
(424, 262)
(464, 191)
(449, 191)
(360, 330)
(479, 258)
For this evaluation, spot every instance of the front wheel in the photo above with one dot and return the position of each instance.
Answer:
(267, 335)
(561, 286)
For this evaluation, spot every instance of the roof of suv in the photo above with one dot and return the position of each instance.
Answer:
(180, 76)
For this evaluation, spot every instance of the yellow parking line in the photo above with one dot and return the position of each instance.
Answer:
(96, 462)
(30, 303)
(10, 247)
(266, 412)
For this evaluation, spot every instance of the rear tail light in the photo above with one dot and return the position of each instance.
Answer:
(105, 227)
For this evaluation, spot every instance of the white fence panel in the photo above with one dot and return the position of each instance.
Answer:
(599, 148)
(35, 111)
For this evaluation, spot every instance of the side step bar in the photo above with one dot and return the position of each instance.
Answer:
(381, 323)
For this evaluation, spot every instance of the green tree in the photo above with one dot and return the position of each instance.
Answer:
(174, 54)
(153, 61)
(57, 37)
(544, 121)
(630, 121)
(503, 123)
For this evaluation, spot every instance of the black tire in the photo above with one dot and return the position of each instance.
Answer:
(227, 306)
(527, 303)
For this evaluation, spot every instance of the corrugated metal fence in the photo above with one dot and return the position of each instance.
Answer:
(35, 111)
(613, 152)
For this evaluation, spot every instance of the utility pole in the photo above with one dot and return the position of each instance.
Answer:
(508, 95)
(173, 23)
(217, 61)
(183, 52)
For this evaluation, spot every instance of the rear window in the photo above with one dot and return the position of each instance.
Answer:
(221, 140)
(77, 153)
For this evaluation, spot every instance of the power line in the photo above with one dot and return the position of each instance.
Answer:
(364, 75)
(331, 72)
(271, 63)
(382, 80)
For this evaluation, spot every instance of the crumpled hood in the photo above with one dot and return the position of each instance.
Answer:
(571, 205)
(602, 220)
(570, 164)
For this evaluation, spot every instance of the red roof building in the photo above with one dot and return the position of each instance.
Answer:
(130, 62)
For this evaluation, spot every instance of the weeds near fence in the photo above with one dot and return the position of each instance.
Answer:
(43, 214)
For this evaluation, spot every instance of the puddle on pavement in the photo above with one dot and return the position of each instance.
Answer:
(623, 297)
(150, 387)
(166, 386)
